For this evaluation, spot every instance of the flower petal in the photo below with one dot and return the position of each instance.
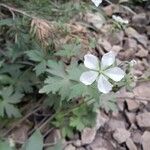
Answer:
(97, 2)
(104, 85)
(115, 73)
(91, 62)
(108, 59)
(88, 77)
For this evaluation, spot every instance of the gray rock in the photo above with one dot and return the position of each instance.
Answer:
(120, 104)
(136, 137)
(116, 38)
(97, 20)
(101, 119)
(121, 135)
(122, 93)
(81, 148)
(142, 52)
(88, 135)
(143, 120)
(132, 104)
(130, 144)
(132, 33)
(114, 124)
(101, 144)
(116, 48)
(148, 30)
(70, 147)
(130, 44)
(108, 10)
(77, 143)
(140, 19)
(105, 44)
(146, 140)
(142, 90)
(130, 117)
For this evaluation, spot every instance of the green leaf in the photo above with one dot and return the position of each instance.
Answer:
(7, 101)
(67, 131)
(74, 71)
(40, 68)
(77, 90)
(77, 123)
(8, 22)
(5, 146)
(35, 142)
(56, 68)
(23, 81)
(5, 79)
(11, 69)
(53, 100)
(12, 111)
(82, 117)
(35, 55)
(108, 102)
(69, 50)
(57, 84)
(1, 63)
(58, 81)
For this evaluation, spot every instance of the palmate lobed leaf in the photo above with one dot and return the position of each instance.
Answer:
(7, 101)
(67, 131)
(38, 56)
(77, 90)
(9, 96)
(22, 80)
(56, 68)
(57, 84)
(108, 102)
(40, 68)
(35, 55)
(77, 123)
(74, 71)
(69, 50)
(61, 80)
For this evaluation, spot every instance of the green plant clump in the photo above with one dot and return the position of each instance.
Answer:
(31, 70)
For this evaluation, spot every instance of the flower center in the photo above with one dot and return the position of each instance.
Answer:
(100, 71)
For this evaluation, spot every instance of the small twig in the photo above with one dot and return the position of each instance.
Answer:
(46, 122)
(128, 9)
(47, 132)
(49, 144)
(109, 2)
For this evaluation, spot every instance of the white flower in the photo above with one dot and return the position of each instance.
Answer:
(97, 2)
(101, 72)
(120, 20)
